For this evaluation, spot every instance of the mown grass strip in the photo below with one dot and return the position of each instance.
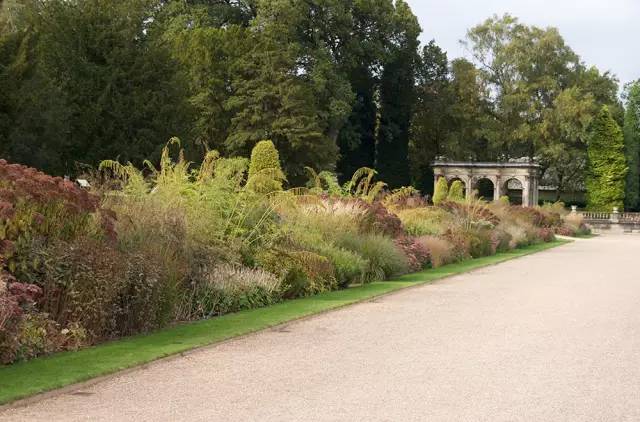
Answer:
(44, 374)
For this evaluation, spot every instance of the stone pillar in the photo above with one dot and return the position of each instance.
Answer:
(526, 194)
(615, 215)
(497, 188)
(468, 186)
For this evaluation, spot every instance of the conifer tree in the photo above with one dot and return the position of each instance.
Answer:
(456, 192)
(607, 165)
(632, 146)
(265, 172)
(441, 191)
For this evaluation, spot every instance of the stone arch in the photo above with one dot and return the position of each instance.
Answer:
(485, 187)
(473, 175)
(514, 189)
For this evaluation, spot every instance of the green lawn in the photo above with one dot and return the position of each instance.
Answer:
(43, 374)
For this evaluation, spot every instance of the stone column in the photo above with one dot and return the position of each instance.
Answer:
(468, 186)
(536, 190)
(615, 215)
(526, 195)
(497, 188)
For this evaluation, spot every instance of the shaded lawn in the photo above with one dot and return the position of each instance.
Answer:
(24, 379)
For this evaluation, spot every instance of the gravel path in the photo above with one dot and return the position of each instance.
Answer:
(550, 337)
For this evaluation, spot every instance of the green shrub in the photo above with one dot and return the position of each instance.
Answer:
(441, 191)
(456, 192)
(265, 172)
(350, 267)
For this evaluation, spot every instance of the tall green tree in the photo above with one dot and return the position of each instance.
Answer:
(632, 145)
(607, 164)
(92, 84)
(362, 56)
(431, 117)
(397, 97)
(543, 97)
(283, 91)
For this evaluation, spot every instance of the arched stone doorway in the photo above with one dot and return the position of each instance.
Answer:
(514, 188)
(485, 189)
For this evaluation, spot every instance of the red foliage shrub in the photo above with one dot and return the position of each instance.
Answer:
(33, 204)
(417, 254)
(546, 234)
(15, 299)
(379, 220)
(565, 231)
(537, 217)
(21, 183)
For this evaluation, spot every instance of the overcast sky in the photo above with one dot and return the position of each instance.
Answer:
(605, 33)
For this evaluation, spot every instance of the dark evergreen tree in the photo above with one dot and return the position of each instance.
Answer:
(431, 117)
(102, 90)
(397, 97)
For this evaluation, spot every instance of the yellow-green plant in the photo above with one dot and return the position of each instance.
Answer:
(362, 185)
(441, 191)
(265, 172)
(456, 192)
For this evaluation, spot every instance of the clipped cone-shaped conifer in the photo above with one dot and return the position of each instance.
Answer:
(456, 192)
(265, 172)
(441, 191)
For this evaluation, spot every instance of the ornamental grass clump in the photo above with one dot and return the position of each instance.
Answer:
(226, 288)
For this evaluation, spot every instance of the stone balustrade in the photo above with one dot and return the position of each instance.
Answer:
(610, 222)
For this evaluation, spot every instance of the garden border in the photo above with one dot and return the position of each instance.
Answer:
(26, 382)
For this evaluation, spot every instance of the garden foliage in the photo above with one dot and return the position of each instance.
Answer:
(177, 242)
(441, 191)
(456, 192)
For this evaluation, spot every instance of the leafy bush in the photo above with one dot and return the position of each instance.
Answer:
(441, 191)
(350, 268)
(378, 219)
(416, 253)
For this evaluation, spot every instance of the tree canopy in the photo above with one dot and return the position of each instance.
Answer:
(335, 85)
